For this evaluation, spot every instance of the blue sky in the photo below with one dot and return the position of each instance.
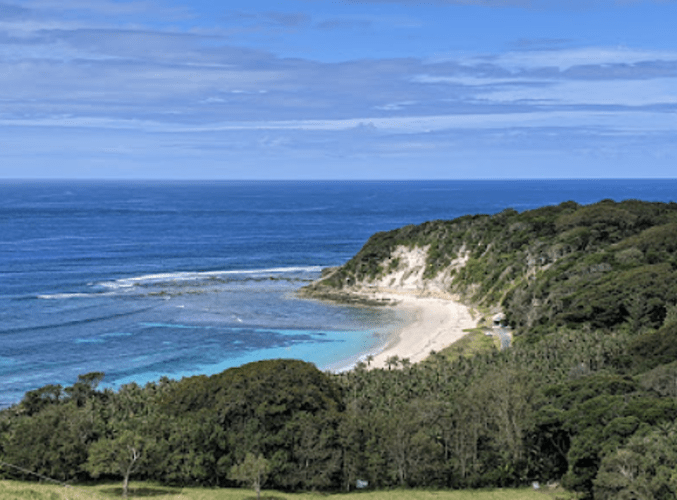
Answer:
(320, 89)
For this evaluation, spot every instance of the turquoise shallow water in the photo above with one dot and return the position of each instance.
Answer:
(142, 280)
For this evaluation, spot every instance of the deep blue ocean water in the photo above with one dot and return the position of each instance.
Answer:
(145, 279)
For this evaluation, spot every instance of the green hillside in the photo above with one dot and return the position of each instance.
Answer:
(605, 265)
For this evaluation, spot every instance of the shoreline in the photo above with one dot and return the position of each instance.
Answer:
(434, 321)
(437, 323)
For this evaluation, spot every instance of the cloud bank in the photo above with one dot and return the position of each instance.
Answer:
(109, 67)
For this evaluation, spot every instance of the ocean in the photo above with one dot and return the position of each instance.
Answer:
(146, 279)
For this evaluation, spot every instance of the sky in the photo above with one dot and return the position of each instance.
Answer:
(322, 89)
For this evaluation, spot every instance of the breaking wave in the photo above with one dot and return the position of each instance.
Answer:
(57, 296)
(194, 277)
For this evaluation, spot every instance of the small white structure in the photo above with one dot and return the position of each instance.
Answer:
(499, 320)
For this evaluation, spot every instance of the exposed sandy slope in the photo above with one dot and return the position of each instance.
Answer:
(408, 274)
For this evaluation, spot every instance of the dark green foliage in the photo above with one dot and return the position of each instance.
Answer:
(654, 348)
(639, 296)
(35, 401)
(662, 380)
(84, 388)
(286, 410)
(187, 449)
(606, 221)
(592, 416)
(642, 468)
(53, 442)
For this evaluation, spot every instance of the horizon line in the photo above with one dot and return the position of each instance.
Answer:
(476, 179)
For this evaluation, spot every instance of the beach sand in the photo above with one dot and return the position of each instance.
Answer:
(434, 324)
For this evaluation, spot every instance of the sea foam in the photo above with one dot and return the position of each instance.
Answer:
(182, 276)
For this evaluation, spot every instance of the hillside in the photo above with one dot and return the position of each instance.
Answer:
(603, 265)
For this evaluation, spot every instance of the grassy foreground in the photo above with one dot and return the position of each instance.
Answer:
(14, 490)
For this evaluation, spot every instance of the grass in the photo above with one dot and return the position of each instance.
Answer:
(475, 342)
(15, 490)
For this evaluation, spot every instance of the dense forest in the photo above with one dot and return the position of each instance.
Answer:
(586, 396)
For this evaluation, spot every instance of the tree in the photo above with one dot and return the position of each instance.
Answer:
(35, 401)
(187, 449)
(312, 456)
(412, 455)
(393, 361)
(85, 387)
(121, 456)
(254, 470)
(644, 468)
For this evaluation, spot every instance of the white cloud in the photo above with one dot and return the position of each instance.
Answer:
(395, 106)
(160, 79)
(466, 80)
(610, 122)
(566, 59)
(103, 8)
(590, 76)
(57, 51)
(605, 92)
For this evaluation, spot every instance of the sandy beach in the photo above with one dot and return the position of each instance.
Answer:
(435, 323)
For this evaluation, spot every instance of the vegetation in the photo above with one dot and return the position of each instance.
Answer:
(585, 397)
(605, 265)
(476, 341)
(12, 490)
(253, 470)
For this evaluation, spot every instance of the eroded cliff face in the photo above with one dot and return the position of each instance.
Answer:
(405, 272)
(402, 273)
